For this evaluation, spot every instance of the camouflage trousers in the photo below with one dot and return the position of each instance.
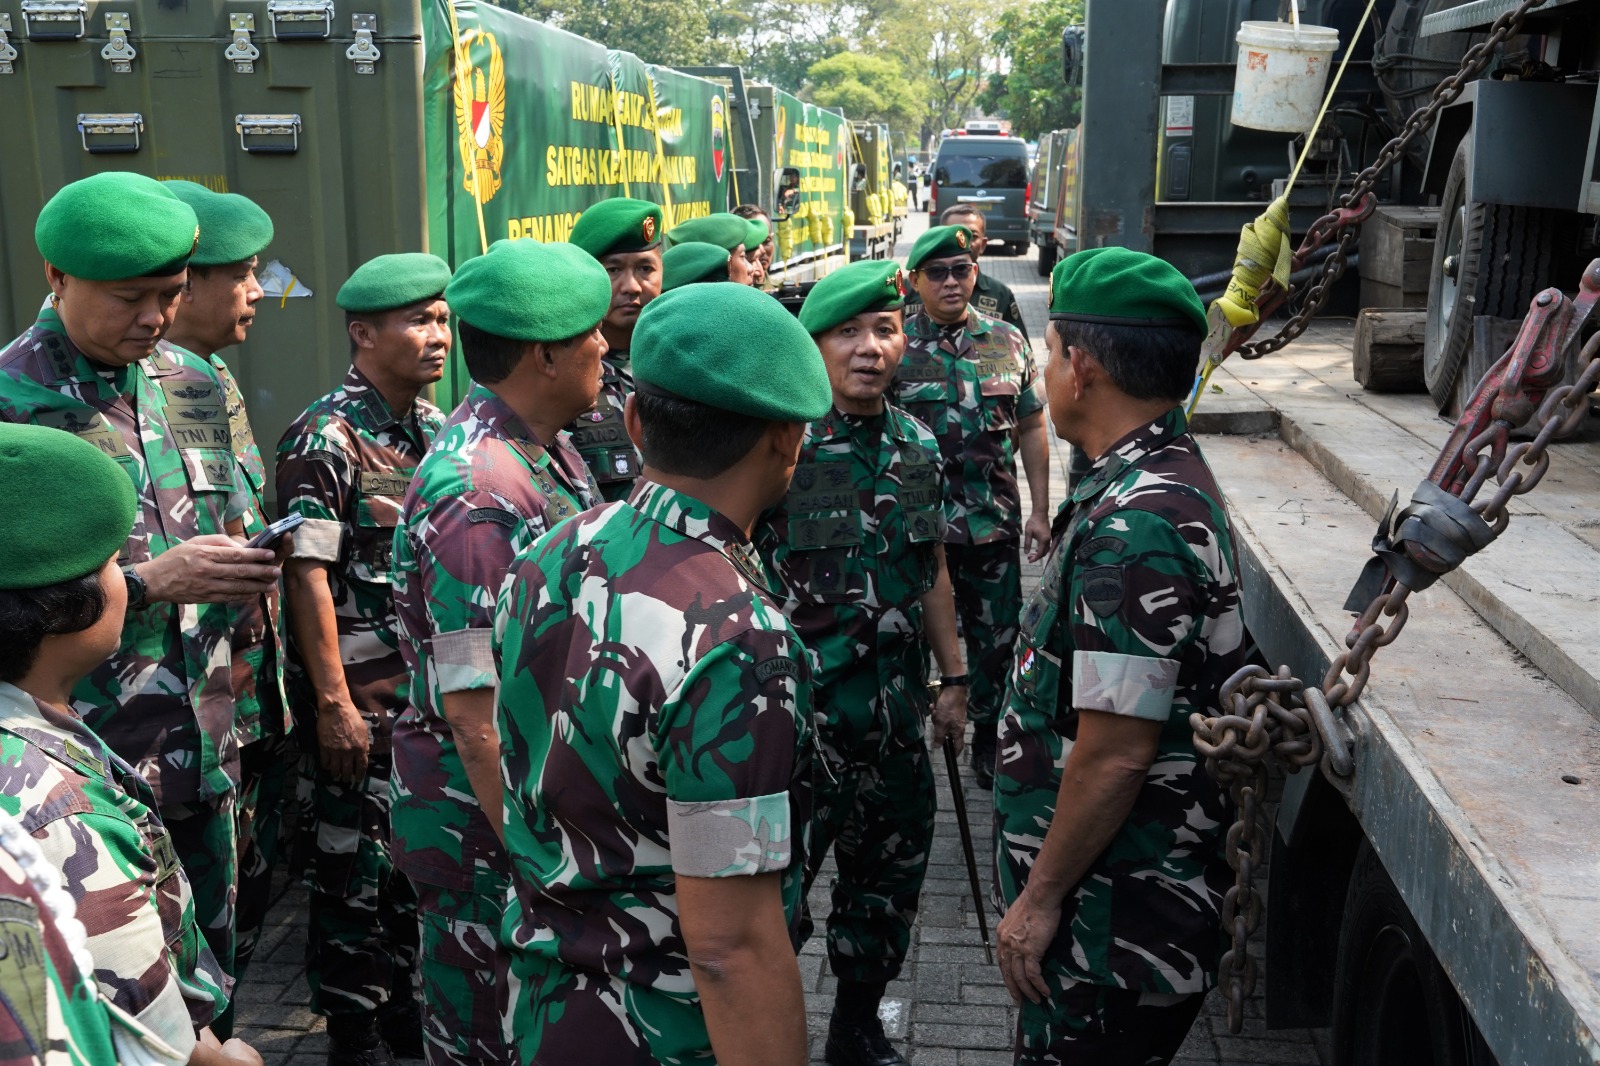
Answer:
(361, 942)
(1097, 1025)
(988, 587)
(461, 966)
(205, 836)
(265, 767)
(559, 1016)
(875, 808)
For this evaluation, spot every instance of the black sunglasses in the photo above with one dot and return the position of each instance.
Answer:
(939, 272)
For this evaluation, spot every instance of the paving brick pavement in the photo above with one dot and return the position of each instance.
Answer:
(949, 1008)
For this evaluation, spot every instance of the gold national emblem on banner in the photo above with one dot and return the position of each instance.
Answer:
(480, 112)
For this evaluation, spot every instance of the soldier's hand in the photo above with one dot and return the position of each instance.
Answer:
(950, 716)
(1024, 934)
(1036, 536)
(342, 741)
(213, 568)
(237, 1050)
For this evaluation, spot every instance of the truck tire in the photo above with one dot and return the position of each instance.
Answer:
(1047, 259)
(1489, 259)
(1392, 1003)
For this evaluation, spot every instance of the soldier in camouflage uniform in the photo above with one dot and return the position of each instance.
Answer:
(857, 544)
(1112, 879)
(654, 711)
(215, 312)
(624, 236)
(116, 247)
(345, 465)
(91, 815)
(500, 474)
(972, 381)
(990, 295)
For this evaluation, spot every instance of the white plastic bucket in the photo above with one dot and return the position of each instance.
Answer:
(1282, 73)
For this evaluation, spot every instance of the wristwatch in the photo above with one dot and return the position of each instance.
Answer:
(137, 590)
(952, 680)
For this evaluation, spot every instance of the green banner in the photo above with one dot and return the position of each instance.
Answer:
(527, 125)
(814, 142)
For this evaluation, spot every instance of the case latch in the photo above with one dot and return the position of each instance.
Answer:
(242, 53)
(119, 52)
(8, 51)
(298, 20)
(268, 134)
(110, 134)
(364, 52)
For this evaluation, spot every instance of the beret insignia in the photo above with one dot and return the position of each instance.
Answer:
(961, 238)
(649, 228)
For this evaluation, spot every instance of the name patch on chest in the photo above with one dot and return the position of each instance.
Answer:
(384, 483)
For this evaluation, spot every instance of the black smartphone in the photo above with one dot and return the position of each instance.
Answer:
(269, 537)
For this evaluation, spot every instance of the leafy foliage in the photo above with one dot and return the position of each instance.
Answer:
(1030, 92)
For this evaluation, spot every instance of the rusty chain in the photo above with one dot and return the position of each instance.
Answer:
(1421, 120)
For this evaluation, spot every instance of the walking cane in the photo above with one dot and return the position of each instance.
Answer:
(952, 766)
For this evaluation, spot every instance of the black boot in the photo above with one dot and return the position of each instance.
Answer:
(855, 1033)
(353, 1040)
(984, 743)
(400, 1025)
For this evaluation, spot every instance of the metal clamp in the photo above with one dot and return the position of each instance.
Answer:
(242, 53)
(268, 126)
(119, 52)
(50, 20)
(105, 125)
(294, 20)
(364, 52)
(8, 52)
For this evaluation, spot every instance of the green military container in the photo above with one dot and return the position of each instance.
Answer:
(399, 125)
(311, 111)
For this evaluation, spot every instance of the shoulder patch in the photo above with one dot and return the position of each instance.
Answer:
(24, 981)
(777, 666)
(1103, 589)
(498, 515)
(1088, 548)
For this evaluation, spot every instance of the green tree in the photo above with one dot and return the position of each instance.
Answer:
(865, 86)
(669, 32)
(945, 51)
(1031, 92)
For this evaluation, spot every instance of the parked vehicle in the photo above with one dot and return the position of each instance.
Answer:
(991, 174)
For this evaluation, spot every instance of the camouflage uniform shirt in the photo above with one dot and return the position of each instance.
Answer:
(600, 436)
(853, 544)
(653, 712)
(971, 384)
(1137, 614)
(991, 297)
(345, 465)
(164, 701)
(94, 819)
(484, 491)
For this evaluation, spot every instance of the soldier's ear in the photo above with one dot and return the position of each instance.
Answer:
(630, 422)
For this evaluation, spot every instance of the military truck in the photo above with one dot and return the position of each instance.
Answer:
(874, 210)
(1432, 887)
(1043, 192)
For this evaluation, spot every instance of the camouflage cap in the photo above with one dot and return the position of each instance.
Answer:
(395, 280)
(232, 227)
(940, 242)
(620, 224)
(865, 285)
(696, 343)
(528, 291)
(1123, 287)
(692, 261)
(116, 225)
(79, 530)
(724, 229)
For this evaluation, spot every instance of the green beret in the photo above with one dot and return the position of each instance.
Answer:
(620, 224)
(232, 227)
(74, 533)
(116, 225)
(865, 285)
(1122, 287)
(724, 229)
(692, 261)
(940, 242)
(697, 343)
(527, 291)
(399, 279)
(759, 231)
